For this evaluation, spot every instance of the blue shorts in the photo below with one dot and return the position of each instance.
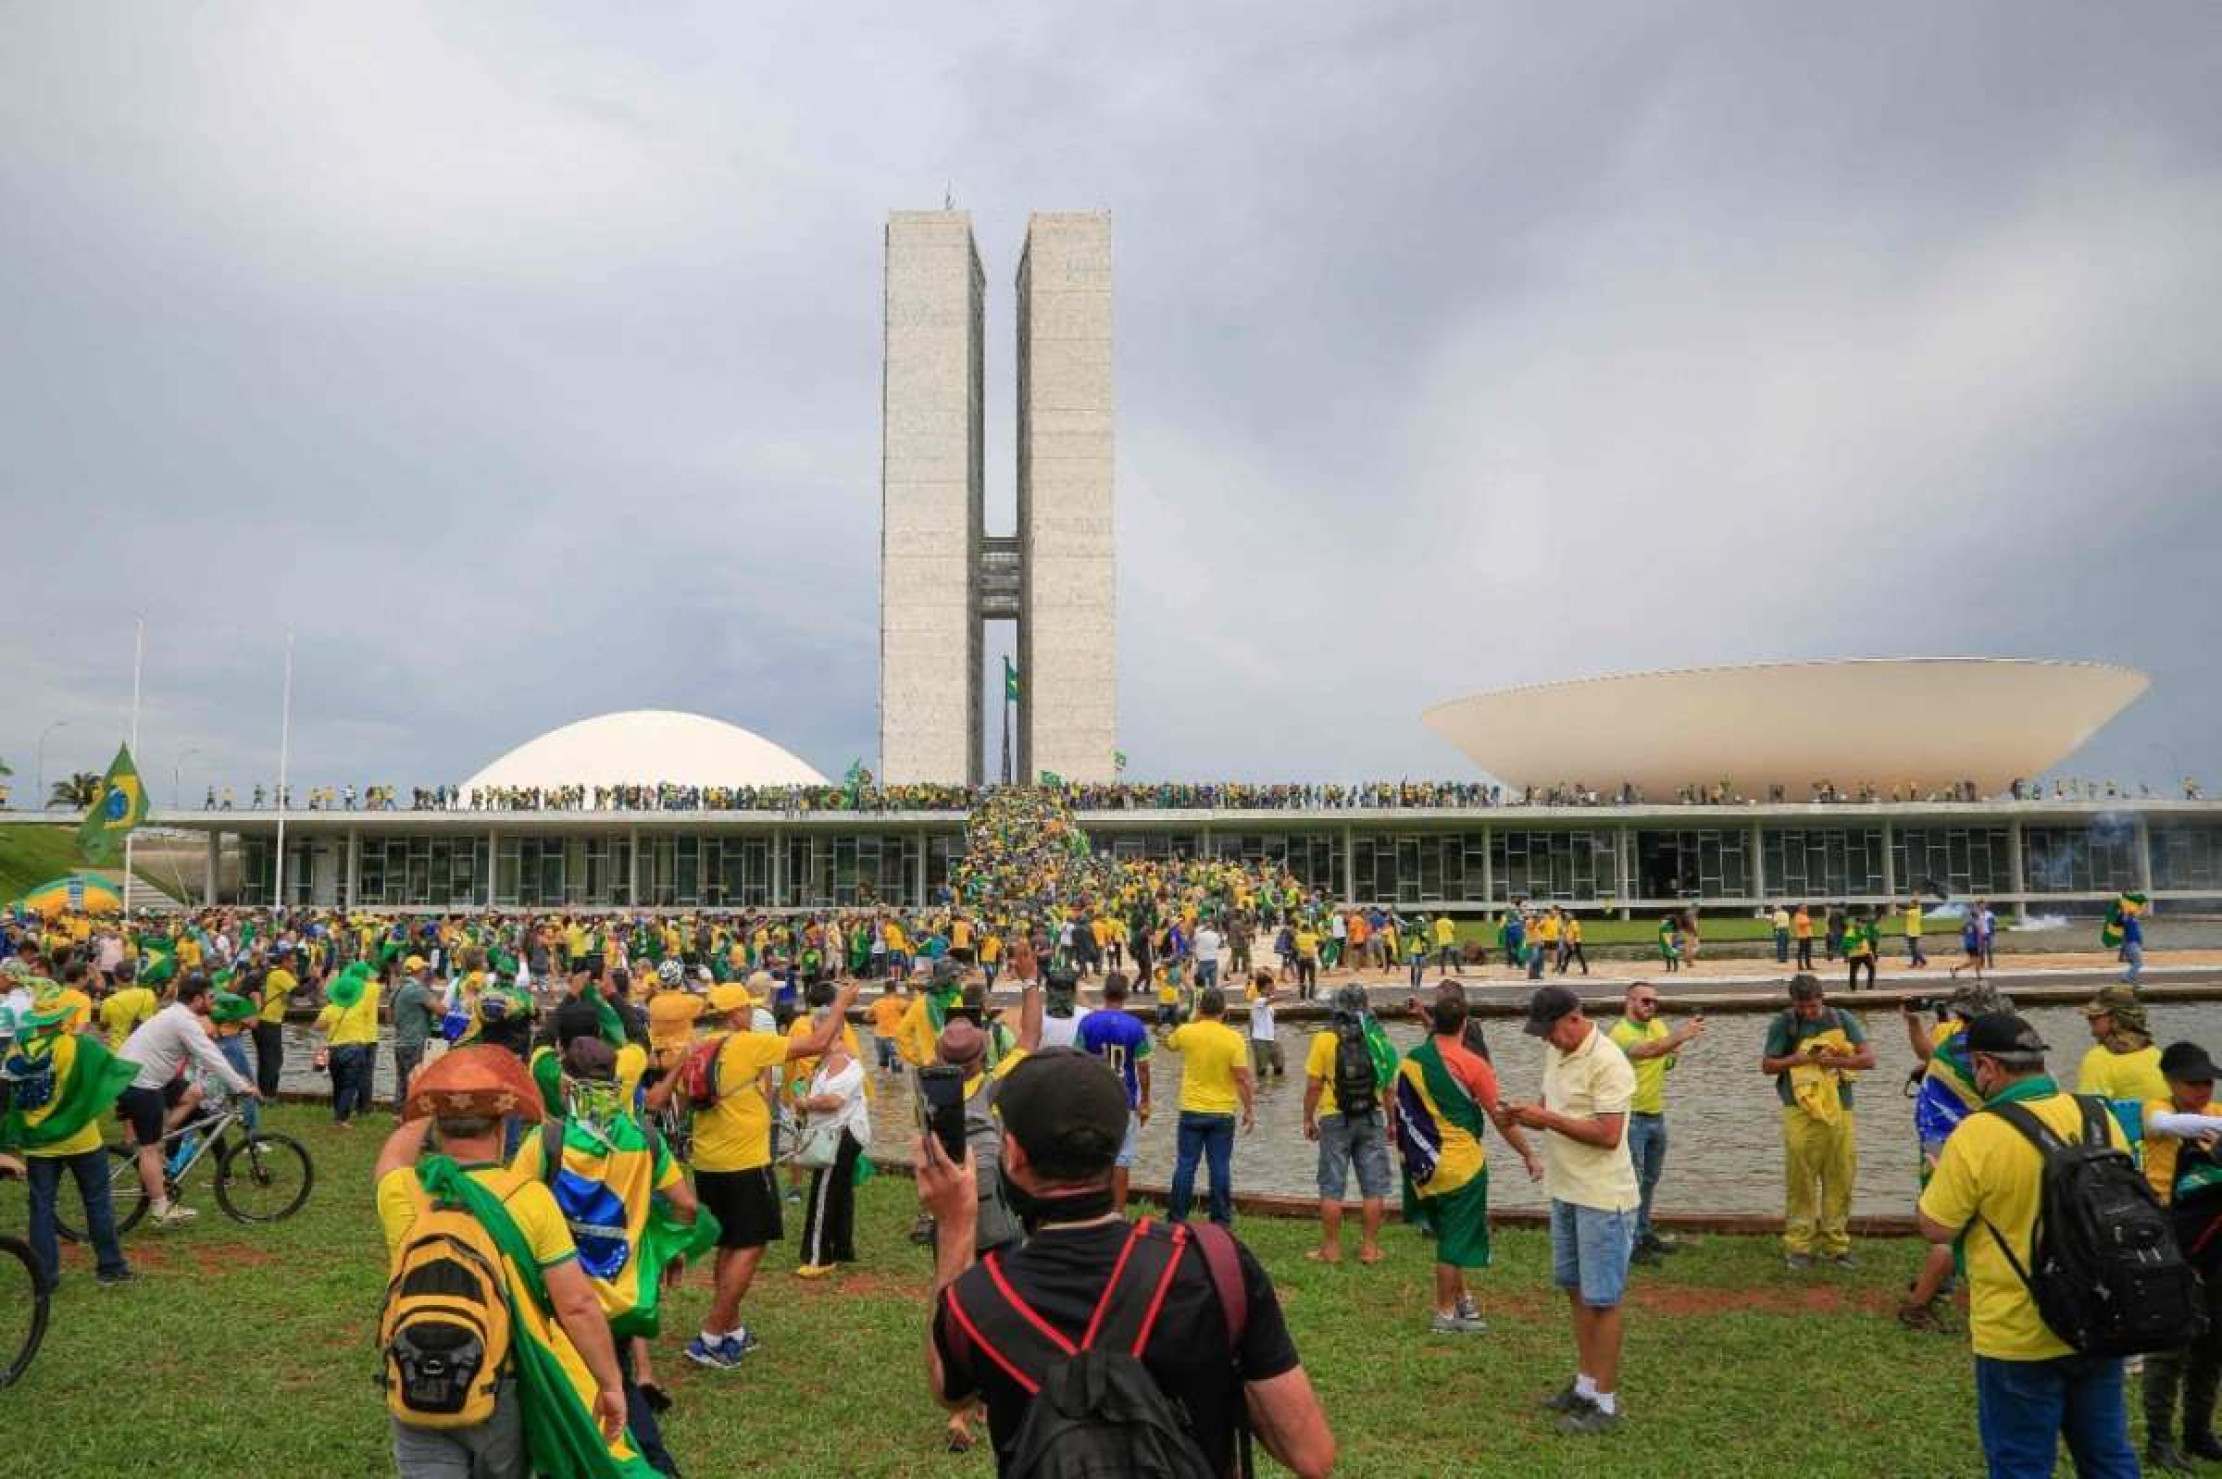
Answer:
(1133, 1132)
(1589, 1251)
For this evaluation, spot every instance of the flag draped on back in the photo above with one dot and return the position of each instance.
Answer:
(626, 1235)
(2110, 933)
(1438, 1124)
(117, 809)
(552, 1380)
(87, 1081)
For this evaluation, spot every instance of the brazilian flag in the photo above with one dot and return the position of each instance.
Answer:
(88, 1079)
(553, 1383)
(118, 808)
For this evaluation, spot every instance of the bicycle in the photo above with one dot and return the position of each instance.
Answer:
(23, 1309)
(261, 1176)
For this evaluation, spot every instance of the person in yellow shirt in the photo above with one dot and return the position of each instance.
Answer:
(349, 1023)
(1570, 943)
(278, 985)
(1986, 1194)
(1307, 960)
(1801, 930)
(471, 1085)
(732, 1156)
(2123, 1065)
(70, 997)
(887, 1017)
(1215, 1082)
(1652, 1050)
(1446, 945)
(672, 1012)
(126, 1007)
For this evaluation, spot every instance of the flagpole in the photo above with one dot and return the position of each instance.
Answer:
(138, 660)
(285, 754)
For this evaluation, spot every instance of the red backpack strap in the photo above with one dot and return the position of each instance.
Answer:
(1004, 1327)
(1134, 1296)
(1217, 1246)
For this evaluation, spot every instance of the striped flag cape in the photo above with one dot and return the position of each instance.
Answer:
(553, 1382)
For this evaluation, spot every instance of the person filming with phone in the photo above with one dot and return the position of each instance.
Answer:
(1145, 1346)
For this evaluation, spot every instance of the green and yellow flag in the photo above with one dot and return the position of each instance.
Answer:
(87, 1080)
(1010, 681)
(119, 806)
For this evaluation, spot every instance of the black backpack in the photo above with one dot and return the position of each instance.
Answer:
(1096, 1410)
(2104, 1267)
(1357, 1093)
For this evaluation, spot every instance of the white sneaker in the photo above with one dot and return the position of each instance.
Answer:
(174, 1214)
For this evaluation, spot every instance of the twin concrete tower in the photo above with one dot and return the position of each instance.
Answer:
(942, 575)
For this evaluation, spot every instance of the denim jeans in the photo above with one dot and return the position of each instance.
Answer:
(44, 1172)
(1647, 1148)
(234, 1049)
(2024, 1408)
(1782, 947)
(2133, 953)
(1201, 1136)
(350, 1067)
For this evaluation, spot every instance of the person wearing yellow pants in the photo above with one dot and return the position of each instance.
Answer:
(1812, 1052)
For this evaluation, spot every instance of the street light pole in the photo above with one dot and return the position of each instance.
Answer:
(41, 768)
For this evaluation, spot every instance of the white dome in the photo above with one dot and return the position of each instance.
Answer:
(647, 747)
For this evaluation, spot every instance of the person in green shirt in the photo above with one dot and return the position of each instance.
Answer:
(1652, 1049)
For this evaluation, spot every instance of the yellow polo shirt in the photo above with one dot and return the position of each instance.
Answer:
(2113, 1075)
(735, 1134)
(352, 1026)
(1650, 1095)
(1990, 1173)
(1210, 1053)
(277, 990)
(1595, 1079)
(124, 1010)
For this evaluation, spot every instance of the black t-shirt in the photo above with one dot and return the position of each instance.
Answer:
(1060, 1273)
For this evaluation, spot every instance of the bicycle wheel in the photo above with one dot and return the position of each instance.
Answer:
(264, 1178)
(23, 1310)
(126, 1197)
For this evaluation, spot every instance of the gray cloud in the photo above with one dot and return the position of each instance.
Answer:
(525, 360)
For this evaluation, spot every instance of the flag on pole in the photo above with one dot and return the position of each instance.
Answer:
(856, 777)
(1118, 760)
(1052, 778)
(1010, 681)
(119, 806)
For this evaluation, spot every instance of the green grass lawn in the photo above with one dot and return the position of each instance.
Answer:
(30, 856)
(246, 1350)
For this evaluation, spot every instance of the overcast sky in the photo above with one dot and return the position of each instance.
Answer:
(524, 360)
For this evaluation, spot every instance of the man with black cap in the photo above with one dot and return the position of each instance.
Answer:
(2186, 1174)
(2031, 1388)
(1588, 1086)
(1192, 1301)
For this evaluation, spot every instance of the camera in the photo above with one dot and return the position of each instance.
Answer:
(1924, 1003)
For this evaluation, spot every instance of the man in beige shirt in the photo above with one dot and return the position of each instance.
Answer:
(1587, 1173)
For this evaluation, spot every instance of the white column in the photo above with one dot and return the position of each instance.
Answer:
(2014, 878)
(1758, 864)
(352, 878)
(209, 875)
(918, 871)
(493, 864)
(2144, 854)
(1350, 866)
(779, 866)
(1890, 860)
(1624, 842)
(632, 867)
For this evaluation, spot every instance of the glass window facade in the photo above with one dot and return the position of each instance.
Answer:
(2187, 855)
(1419, 868)
(1563, 866)
(436, 871)
(1959, 860)
(1314, 858)
(314, 871)
(2060, 860)
(826, 872)
(1822, 864)
(1701, 863)
(1145, 844)
(550, 872)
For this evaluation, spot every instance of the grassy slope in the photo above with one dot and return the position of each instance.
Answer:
(30, 856)
(248, 1352)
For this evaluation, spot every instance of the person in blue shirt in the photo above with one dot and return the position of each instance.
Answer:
(1119, 1038)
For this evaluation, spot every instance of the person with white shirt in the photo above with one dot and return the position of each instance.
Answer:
(1265, 1044)
(837, 1109)
(1205, 949)
(162, 1045)
(1062, 1012)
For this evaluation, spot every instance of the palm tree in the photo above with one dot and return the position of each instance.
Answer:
(77, 792)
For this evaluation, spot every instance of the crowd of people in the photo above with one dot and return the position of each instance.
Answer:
(865, 795)
(586, 1102)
